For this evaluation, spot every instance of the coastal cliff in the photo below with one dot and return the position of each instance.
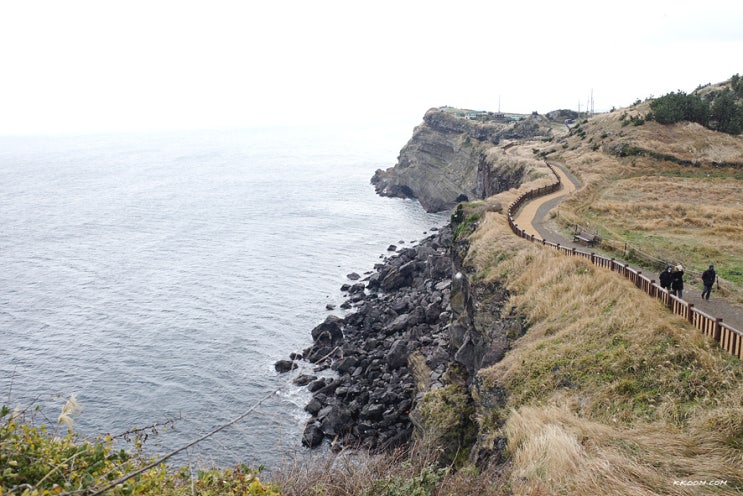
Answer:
(448, 159)
(492, 353)
(423, 324)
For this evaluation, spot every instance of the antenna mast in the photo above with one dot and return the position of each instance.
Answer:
(591, 101)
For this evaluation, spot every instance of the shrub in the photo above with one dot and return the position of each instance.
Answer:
(35, 462)
(720, 111)
(422, 484)
(444, 417)
(727, 114)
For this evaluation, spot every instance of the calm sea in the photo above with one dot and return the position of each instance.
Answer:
(160, 276)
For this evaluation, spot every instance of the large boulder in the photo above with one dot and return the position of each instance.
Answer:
(312, 435)
(398, 355)
(337, 422)
(331, 328)
(283, 366)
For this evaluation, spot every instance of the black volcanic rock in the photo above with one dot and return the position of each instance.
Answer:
(283, 366)
(368, 401)
(312, 435)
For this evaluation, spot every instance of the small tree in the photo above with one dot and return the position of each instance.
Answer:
(697, 110)
(727, 113)
(670, 108)
(736, 83)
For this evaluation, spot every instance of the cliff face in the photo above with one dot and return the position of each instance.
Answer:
(481, 330)
(445, 161)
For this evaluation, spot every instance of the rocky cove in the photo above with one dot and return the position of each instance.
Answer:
(420, 325)
(413, 328)
(399, 311)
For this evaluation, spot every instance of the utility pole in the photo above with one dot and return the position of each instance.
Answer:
(591, 101)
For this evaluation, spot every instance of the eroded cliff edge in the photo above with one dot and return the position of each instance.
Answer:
(406, 359)
(449, 157)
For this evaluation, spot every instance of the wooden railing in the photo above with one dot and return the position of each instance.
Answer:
(729, 338)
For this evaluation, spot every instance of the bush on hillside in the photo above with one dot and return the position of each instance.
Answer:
(727, 114)
(677, 107)
(720, 111)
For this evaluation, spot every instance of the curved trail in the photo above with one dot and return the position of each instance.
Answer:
(531, 218)
(532, 212)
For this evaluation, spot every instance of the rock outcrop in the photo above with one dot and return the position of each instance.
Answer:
(445, 162)
(404, 362)
(482, 329)
(387, 352)
(421, 330)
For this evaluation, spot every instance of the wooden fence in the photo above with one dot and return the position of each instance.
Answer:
(729, 338)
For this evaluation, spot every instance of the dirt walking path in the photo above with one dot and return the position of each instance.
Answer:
(533, 217)
(527, 216)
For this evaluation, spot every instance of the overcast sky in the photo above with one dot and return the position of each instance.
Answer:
(71, 66)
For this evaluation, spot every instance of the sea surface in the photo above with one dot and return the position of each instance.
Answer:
(160, 276)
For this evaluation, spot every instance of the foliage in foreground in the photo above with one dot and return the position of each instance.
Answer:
(36, 462)
(411, 471)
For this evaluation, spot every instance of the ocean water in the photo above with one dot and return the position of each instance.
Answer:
(160, 276)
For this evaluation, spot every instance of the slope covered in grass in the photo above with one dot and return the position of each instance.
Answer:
(606, 392)
(670, 193)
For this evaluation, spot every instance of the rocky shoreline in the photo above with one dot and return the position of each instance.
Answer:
(401, 317)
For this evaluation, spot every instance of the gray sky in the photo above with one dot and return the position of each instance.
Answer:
(71, 66)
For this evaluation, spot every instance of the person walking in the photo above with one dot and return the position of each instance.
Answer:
(665, 278)
(709, 277)
(677, 282)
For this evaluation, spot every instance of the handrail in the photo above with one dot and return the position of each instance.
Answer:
(729, 338)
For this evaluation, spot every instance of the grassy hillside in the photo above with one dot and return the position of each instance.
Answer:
(659, 191)
(606, 392)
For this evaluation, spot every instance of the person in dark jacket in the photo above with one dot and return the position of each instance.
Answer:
(677, 281)
(708, 279)
(665, 278)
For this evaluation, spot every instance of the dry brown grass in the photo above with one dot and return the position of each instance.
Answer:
(344, 474)
(674, 207)
(670, 212)
(607, 391)
(398, 473)
(557, 452)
